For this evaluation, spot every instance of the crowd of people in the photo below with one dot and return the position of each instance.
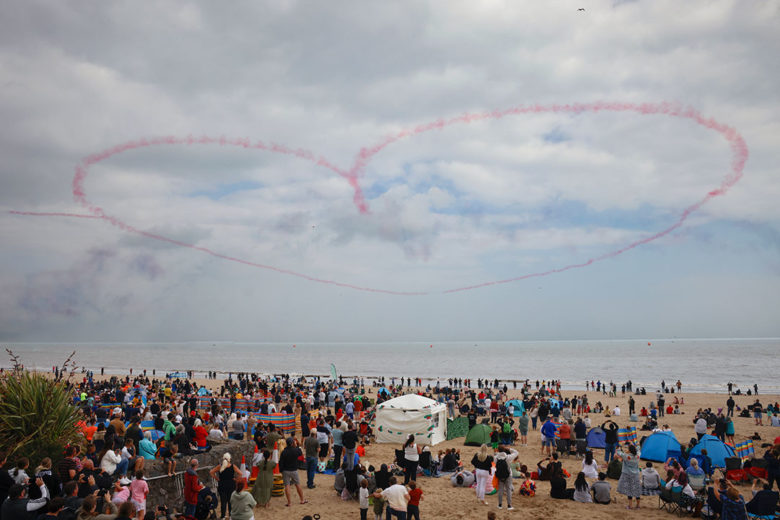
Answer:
(128, 423)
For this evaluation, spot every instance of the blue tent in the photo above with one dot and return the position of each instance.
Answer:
(596, 437)
(716, 450)
(519, 407)
(660, 446)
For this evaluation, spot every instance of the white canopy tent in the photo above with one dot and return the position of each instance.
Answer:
(411, 414)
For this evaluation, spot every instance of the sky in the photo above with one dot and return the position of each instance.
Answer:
(388, 171)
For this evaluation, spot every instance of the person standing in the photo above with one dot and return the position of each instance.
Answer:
(311, 447)
(482, 463)
(629, 483)
(548, 435)
(288, 465)
(504, 459)
(413, 507)
(522, 428)
(397, 499)
(730, 405)
(261, 491)
(412, 458)
(610, 439)
(192, 487)
(226, 482)
(349, 440)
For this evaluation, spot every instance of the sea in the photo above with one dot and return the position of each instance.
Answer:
(702, 365)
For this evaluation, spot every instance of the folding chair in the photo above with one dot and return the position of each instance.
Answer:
(562, 446)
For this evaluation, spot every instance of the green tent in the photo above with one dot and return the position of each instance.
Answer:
(457, 427)
(478, 435)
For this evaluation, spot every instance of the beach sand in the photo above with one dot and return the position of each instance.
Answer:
(441, 501)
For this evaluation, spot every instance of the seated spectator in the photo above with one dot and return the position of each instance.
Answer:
(146, 448)
(558, 486)
(528, 487)
(651, 480)
(581, 489)
(601, 490)
(764, 501)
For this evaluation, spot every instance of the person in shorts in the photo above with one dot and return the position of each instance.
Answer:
(288, 465)
(548, 436)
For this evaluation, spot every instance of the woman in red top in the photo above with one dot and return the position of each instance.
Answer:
(413, 507)
(200, 434)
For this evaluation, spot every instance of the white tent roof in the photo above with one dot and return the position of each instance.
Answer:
(411, 402)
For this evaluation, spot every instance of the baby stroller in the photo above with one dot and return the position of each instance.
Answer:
(207, 504)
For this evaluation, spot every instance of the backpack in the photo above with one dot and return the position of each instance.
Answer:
(502, 469)
(614, 469)
(507, 427)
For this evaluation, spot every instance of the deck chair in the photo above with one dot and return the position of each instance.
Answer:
(562, 446)
(399, 458)
(582, 447)
(697, 482)
(765, 507)
(733, 463)
(669, 500)
(712, 507)
(425, 463)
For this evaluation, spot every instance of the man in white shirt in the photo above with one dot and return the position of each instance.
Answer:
(616, 411)
(397, 499)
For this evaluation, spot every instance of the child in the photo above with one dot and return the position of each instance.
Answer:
(413, 507)
(494, 437)
(379, 504)
(139, 489)
(363, 496)
(528, 487)
(167, 453)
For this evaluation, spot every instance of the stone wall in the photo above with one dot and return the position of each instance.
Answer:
(170, 490)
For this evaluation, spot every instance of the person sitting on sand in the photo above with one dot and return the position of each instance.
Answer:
(581, 489)
(589, 466)
(651, 480)
(601, 490)
(558, 486)
(528, 486)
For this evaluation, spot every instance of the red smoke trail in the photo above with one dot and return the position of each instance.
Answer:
(365, 155)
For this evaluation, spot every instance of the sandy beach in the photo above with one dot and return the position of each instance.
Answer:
(442, 501)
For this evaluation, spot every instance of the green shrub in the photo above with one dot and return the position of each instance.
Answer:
(37, 418)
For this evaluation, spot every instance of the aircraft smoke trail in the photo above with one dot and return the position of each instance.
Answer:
(365, 155)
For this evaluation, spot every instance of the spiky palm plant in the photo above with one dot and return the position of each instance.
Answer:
(37, 418)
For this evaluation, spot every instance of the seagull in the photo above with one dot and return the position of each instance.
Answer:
(581, 9)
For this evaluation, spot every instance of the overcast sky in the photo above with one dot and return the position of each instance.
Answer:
(188, 231)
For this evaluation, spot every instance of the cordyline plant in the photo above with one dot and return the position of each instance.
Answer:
(37, 417)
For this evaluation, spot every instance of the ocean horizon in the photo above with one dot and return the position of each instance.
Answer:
(702, 364)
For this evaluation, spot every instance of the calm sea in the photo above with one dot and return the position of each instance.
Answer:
(703, 365)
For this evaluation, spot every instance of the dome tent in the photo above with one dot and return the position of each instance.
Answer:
(413, 414)
(596, 438)
(716, 450)
(660, 446)
(519, 407)
(478, 435)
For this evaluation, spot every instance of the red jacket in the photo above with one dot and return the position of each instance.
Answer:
(191, 487)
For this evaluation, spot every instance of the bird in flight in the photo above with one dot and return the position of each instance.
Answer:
(581, 9)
